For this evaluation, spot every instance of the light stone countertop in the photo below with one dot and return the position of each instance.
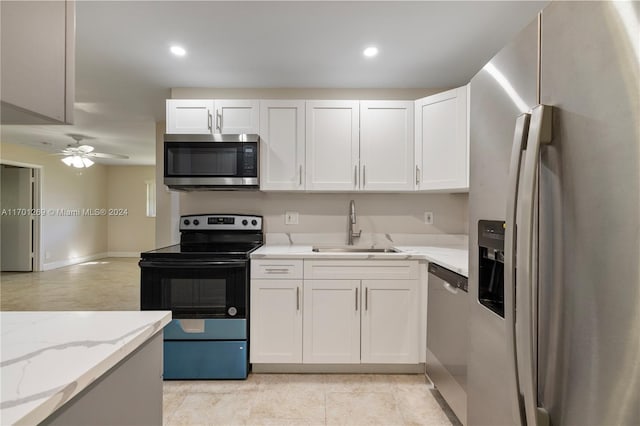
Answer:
(47, 358)
(455, 258)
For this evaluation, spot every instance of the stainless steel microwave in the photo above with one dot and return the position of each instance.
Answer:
(211, 162)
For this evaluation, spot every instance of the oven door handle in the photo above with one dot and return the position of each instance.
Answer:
(191, 264)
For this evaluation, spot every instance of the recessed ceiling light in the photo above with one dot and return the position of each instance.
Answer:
(178, 51)
(370, 52)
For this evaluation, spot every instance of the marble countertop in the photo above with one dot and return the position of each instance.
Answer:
(47, 358)
(455, 258)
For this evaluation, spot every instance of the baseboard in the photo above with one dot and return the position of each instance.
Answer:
(339, 368)
(74, 261)
(124, 254)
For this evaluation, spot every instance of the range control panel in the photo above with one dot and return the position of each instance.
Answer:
(221, 222)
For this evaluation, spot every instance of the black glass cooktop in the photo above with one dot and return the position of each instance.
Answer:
(207, 251)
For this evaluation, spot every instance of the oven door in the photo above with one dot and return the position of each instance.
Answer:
(195, 288)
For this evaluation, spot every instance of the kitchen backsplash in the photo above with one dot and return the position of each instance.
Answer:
(327, 213)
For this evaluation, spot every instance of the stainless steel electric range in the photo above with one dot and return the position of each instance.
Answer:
(204, 281)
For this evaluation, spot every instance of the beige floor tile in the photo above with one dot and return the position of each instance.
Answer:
(358, 382)
(110, 284)
(277, 404)
(290, 382)
(362, 408)
(419, 407)
(212, 409)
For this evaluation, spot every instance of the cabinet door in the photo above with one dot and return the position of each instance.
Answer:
(282, 145)
(276, 321)
(332, 149)
(442, 141)
(331, 321)
(237, 116)
(390, 321)
(37, 62)
(190, 116)
(386, 146)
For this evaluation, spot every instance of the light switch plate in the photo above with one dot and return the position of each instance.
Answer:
(291, 218)
(428, 218)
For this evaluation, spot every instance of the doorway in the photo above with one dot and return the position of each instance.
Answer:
(19, 217)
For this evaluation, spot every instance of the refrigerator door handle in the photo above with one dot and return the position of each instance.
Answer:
(539, 133)
(519, 143)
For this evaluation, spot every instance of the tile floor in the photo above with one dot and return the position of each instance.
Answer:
(262, 399)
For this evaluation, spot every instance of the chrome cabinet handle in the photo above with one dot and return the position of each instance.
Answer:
(356, 298)
(300, 175)
(297, 298)
(218, 121)
(355, 175)
(366, 298)
(209, 121)
(277, 270)
(539, 133)
(518, 145)
(417, 175)
(364, 175)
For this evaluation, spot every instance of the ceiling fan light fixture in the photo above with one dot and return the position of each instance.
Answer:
(87, 162)
(68, 161)
(77, 161)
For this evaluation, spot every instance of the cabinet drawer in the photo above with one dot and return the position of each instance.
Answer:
(361, 269)
(276, 268)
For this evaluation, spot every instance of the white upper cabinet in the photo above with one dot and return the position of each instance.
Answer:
(202, 116)
(190, 116)
(237, 116)
(442, 141)
(282, 149)
(332, 145)
(37, 61)
(386, 146)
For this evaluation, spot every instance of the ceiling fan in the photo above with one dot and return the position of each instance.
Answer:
(79, 156)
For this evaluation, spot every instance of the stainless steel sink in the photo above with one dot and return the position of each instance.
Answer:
(353, 250)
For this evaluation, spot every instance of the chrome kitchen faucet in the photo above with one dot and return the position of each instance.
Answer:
(352, 221)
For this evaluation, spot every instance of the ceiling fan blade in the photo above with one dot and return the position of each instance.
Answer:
(104, 155)
(85, 148)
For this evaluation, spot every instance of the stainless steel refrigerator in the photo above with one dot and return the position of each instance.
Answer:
(555, 155)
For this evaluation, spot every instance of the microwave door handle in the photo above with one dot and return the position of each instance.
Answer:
(539, 133)
(519, 142)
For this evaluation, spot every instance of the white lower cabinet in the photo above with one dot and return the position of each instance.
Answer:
(276, 321)
(390, 322)
(343, 312)
(331, 322)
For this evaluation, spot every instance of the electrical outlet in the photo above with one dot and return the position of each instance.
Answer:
(291, 218)
(428, 218)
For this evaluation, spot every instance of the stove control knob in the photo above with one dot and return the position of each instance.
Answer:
(232, 311)
(186, 222)
(245, 222)
(254, 222)
(196, 222)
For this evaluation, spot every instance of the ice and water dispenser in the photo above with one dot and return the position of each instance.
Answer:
(491, 265)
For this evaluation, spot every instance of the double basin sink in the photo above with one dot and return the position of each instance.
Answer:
(353, 250)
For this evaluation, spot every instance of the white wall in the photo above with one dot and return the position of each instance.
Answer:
(327, 213)
(69, 239)
(130, 231)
